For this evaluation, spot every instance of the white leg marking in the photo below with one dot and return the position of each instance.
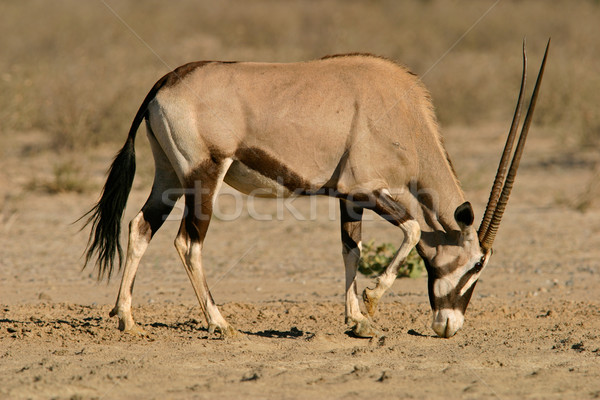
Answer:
(135, 249)
(190, 254)
(412, 234)
(352, 304)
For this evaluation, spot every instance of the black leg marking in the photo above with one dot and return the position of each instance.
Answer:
(351, 220)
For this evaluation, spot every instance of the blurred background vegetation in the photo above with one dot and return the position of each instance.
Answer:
(74, 71)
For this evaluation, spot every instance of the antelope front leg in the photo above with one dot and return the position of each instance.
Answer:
(351, 217)
(361, 325)
(394, 212)
(371, 297)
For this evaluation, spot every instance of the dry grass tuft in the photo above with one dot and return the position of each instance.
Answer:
(588, 197)
(73, 70)
(67, 177)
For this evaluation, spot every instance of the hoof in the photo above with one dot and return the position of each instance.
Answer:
(365, 329)
(225, 332)
(370, 301)
(134, 330)
(126, 323)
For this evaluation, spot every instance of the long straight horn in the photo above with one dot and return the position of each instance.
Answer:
(502, 167)
(490, 234)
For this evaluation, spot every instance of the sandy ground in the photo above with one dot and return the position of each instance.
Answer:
(531, 330)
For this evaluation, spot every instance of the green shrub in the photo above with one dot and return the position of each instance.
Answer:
(376, 257)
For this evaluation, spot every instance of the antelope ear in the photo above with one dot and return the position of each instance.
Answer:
(464, 215)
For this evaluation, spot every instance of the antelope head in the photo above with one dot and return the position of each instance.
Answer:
(456, 262)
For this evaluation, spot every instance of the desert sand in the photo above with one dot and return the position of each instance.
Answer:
(531, 330)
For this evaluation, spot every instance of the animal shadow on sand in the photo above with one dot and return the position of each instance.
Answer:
(272, 333)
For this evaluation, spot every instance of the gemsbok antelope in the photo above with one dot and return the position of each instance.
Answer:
(355, 126)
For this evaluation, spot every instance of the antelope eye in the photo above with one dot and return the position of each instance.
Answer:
(478, 266)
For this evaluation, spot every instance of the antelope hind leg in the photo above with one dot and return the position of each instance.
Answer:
(190, 240)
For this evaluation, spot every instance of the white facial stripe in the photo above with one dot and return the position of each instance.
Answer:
(443, 286)
(468, 285)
